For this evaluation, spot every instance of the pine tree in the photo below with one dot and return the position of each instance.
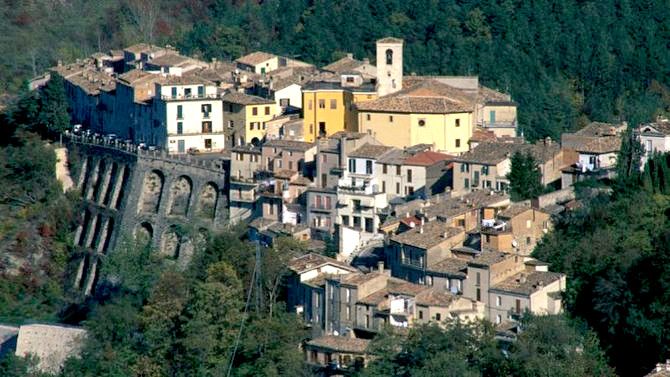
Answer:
(53, 106)
(525, 177)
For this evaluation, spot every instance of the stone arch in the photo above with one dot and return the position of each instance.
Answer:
(152, 190)
(170, 243)
(185, 252)
(144, 231)
(255, 142)
(180, 196)
(85, 174)
(109, 190)
(85, 225)
(208, 200)
(389, 57)
(98, 180)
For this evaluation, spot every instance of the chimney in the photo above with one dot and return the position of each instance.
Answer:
(350, 55)
(380, 266)
(522, 278)
(421, 229)
(423, 221)
(445, 235)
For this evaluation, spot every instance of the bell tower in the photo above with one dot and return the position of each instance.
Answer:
(389, 65)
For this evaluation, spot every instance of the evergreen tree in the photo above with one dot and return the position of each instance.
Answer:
(53, 106)
(525, 177)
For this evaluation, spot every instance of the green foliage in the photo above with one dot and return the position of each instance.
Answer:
(614, 251)
(546, 346)
(525, 177)
(53, 114)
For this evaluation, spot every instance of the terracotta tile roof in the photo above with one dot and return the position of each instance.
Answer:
(137, 48)
(401, 287)
(186, 79)
(661, 126)
(390, 40)
(427, 158)
(358, 278)
(343, 65)
(347, 135)
(245, 99)
(479, 135)
(493, 97)
(435, 297)
(92, 82)
(450, 267)
(525, 283)
(375, 298)
(340, 344)
(136, 75)
(411, 221)
(489, 258)
(311, 261)
(445, 209)
(292, 145)
(514, 210)
(285, 174)
(601, 129)
(433, 235)
(170, 59)
(255, 58)
(426, 97)
(492, 153)
(596, 137)
(370, 151)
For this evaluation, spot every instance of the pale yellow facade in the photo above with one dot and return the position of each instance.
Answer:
(255, 119)
(327, 112)
(448, 132)
(364, 96)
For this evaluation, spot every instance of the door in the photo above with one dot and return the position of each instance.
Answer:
(492, 117)
(181, 146)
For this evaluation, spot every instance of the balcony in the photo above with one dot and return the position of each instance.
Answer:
(189, 97)
(498, 124)
(416, 263)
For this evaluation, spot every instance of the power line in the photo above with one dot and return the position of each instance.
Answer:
(246, 309)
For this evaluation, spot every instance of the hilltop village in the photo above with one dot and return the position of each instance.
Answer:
(400, 184)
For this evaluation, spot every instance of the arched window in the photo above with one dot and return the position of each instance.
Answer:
(389, 57)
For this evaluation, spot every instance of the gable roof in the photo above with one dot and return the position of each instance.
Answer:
(660, 127)
(525, 283)
(256, 57)
(312, 261)
(596, 137)
(390, 40)
(293, 145)
(427, 158)
(370, 151)
(340, 344)
(492, 153)
(343, 65)
(428, 235)
(245, 99)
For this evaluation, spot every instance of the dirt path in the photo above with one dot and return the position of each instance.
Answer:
(62, 171)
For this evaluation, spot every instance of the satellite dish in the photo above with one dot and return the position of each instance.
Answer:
(515, 243)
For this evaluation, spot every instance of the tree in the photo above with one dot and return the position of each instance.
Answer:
(525, 177)
(53, 106)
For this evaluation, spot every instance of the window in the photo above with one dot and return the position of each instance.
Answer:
(368, 167)
(347, 294)
(348, 310)
(231, 124)
(328, 202)
(352, 165)
(498, 301)
(458, 122)
(487, 184)
(187, 92)
(389, 57)
(180, 114)
(357, 222)
(333, 104)
(648, 146)
(290, 165)
(466, 183)
(254, 110)
(397, 188)
(479, 278)
(438, 316)
(284, 102)
(527, 240)
(487, 238)
(384, 186)
(356, 204)
(367, 320)
(384, 168)
(180, 128)
(367, 116)
(206, 127)
(332, 293)
(174, 92)
(409, 175)
(458, 143)
(518, 306)
(208, 143)
(409, 190)
(309, 104)
(498, 319)
(345, 220)
(429, 280)
(322, 128)
(390, 118)
(322, 104)
(230, 107)
(350, 78)
(420, 314)
(492, 117)
(485, 170)
(422, 122)
(272, 209)
(369, 225)
(479, 294)
(267, 110)
(397, 170)
(465, 168)
(206, 109)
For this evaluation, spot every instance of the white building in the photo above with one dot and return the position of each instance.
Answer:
(189, 114)
(654, 137)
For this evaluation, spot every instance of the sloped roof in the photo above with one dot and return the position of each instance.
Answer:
(245, 99)
(661, 126)
(450, 266)
(311, 261)
(343, 65)
(427, 97)
(170, 59)
(256, 57)
(289, 144)
(427, 235)
(488, 258)
(427, 158)
(370, 151)
(514, 210)
(435, 297)
(390, 40)
(525, 283)
(492, 153)
(340, 344)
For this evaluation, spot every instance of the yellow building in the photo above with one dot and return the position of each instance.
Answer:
(245, 117)
(429, 112)
(328, 107)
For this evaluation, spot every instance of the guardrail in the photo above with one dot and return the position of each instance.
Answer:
(117, 145)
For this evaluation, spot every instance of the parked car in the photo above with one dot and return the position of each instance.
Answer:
(142, 146)
(76, 128)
